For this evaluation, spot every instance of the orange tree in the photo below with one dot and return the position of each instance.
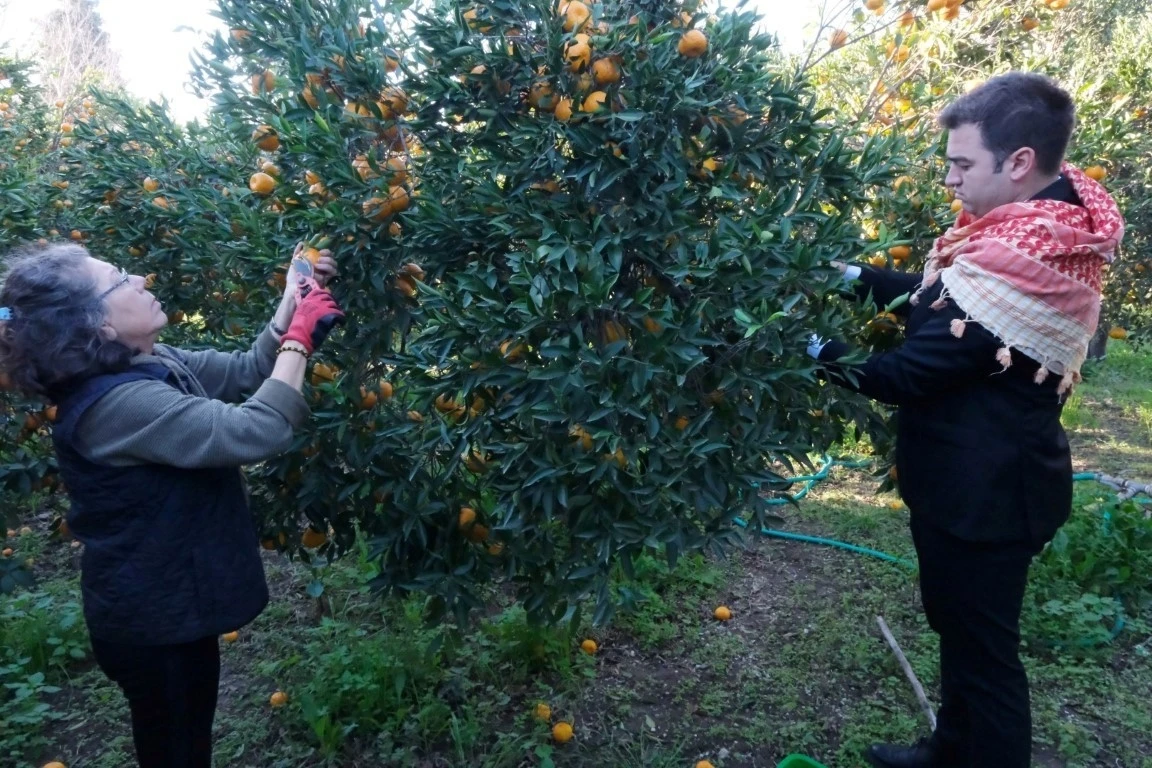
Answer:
(28, 150)
(581, 250)
(891, 71)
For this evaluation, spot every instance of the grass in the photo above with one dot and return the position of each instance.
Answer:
(800, 668)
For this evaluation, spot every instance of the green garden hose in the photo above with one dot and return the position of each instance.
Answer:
(809, 481)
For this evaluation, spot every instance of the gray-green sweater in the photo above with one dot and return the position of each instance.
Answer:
(198, 425)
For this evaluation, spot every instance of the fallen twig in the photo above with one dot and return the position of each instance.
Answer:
(919, 689)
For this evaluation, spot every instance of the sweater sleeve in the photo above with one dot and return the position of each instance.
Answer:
(228, 376)
(886, 286)
(930, 361)
(150, 422)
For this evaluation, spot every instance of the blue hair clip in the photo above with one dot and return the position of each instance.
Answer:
(5, 313)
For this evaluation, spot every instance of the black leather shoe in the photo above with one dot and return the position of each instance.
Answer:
(922, 754)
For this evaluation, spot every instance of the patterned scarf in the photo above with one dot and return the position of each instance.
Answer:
(1031, 274)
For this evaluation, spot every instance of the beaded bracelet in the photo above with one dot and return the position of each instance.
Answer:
(293, 348)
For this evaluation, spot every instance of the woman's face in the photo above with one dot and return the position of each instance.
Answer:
(134, 316)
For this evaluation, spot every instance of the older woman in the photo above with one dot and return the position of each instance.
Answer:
(150, 440)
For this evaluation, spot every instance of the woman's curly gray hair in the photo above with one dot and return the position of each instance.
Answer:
(53, 340)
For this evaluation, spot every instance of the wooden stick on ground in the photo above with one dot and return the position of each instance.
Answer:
(919, 689)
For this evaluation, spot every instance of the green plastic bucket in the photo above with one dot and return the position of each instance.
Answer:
(800, 761)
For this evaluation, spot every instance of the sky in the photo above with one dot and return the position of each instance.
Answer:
(155, 38)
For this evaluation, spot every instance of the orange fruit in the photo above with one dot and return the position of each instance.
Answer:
(368, 399)
(446, 404)
(6, 552)
(723, 613)
(406, 286)
(652, 325)
(589, 647)
(594, 102)
(376, 208)
(693, 44)
(412, 269)
(76, 234)
(312, 538)
(957, 206)
(393, 102)
(278, 699)
(540, 95)
(704, 764)
(878, 261)
(385, 389)
(264, 81)
(578, 53)
(614, 332)
(576, 16)
(605, 72)
(563, 111)
(1029, 23)
(160, 202)
(839, 39)
(562, 733)
(542, 712)
(900, 251)
(240, 35)
(150, 184)
(415, 416)
(261, 184)
(466, 518)
(1096, 172)
(682, 423)
(1118, 333)
(230, 637)
(583, 437)
(266, 138)
(398, 199)
(907, 19)
(50, 413)
(54, 764)
(478, 533)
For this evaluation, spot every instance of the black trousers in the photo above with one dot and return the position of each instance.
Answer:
(171, 691)
(972, 595)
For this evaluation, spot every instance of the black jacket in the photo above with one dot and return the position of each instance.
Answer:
(171, 555)
(980, 452)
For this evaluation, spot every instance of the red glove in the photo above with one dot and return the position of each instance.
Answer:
(316, 315)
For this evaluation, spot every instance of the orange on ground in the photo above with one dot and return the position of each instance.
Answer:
(1096, 172)
(1118, 333)
(230, 637)
(589, 647)
(542, 712)
(278, 699)
(562, 733)
(723, 613)
(312, 538)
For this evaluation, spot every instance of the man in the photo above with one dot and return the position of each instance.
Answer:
(997, 328)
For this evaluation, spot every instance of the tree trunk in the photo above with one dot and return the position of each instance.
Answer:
(1098, 346)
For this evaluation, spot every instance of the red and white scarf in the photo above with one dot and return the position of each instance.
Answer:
(1031, 274)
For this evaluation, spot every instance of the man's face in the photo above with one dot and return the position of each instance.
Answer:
(972, 172)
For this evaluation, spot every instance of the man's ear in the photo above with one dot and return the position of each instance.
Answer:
(1021, 163)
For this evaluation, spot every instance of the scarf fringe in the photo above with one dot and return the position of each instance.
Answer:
(1004, 357)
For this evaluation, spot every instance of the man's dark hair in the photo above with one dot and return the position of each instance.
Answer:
(1016, 110)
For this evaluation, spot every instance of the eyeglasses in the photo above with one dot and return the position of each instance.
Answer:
(124, 276)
